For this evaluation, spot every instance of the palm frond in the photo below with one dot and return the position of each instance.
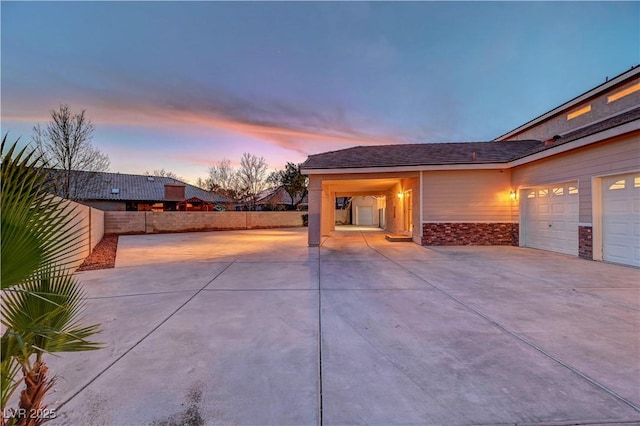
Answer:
(35, 226)
(46, 311)
(9, 369)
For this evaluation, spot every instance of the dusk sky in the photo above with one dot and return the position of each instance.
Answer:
(180, 86)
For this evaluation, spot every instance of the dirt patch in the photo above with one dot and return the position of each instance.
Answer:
(103, 255)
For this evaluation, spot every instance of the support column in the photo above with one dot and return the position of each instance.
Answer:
(325, 227)
(315, 208)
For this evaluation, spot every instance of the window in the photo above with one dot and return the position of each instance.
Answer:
(531, 194)
(636, 182)
(573, 190)
(558, 191)
(115, 190)
(578, 112)
(622, 93)
(617, 185)
(543, 193)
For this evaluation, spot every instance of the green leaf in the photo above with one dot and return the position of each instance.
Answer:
(35, 226)
(45, 313)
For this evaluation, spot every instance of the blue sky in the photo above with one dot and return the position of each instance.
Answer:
(179, 85)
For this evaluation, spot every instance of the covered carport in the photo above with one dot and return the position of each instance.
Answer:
(401, 200)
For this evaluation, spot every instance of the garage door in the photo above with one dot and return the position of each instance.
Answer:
(621, 219)
(364, 215)
(551, 218)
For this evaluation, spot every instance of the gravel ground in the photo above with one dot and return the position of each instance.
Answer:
(103, 255)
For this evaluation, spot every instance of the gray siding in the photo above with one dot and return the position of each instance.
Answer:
(618, 155)
(600, 110)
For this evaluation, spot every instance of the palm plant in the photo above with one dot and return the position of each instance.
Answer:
(41, 300)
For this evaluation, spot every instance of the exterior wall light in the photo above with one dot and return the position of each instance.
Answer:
(400, 194)
(512, 195)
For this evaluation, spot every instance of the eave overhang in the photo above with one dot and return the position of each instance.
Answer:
(630, 127)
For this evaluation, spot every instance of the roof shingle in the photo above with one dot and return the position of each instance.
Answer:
(133, 187)
(428, 154)
(421, 154)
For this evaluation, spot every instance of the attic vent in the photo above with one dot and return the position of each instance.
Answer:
(150, 178)
(115, 190)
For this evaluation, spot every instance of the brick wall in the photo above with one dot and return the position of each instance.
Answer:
(159, 222)
(585, 242)
(465, 234)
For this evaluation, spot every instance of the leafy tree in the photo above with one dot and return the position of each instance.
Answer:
(41, 300)
(65, 144)
(293, 182)
(253, 177)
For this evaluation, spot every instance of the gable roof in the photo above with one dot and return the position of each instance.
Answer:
(433, 154)
(422, 154)
(101, 186)
(278, 195)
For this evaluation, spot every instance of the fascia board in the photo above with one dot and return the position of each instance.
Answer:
(483, 166)
(578, 143)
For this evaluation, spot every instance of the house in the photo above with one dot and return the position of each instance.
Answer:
(279, 199)
(118, 191)
(567, 181)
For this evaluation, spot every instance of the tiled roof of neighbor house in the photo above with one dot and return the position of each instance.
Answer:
(100, 186)
(422, 154)
(428, 154)
(278, 196)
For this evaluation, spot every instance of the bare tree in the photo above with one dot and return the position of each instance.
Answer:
(163, 173)
(223, 179)
(253, 177)
(65, 144)
(203, 184)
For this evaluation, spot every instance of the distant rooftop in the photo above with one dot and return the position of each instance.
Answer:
(127, 187)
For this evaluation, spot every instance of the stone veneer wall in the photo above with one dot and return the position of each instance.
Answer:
(466, 234)
(585, 242)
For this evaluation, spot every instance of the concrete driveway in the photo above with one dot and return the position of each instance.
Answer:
(256, 328)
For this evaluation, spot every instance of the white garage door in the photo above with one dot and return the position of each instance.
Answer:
(364, 215)
(550, 218)
(621, 219)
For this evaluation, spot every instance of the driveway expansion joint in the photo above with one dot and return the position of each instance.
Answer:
(516, 335)
(111, 364)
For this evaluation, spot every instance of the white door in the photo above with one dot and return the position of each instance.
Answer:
(550, 218)
(364, 215)
(621, 219)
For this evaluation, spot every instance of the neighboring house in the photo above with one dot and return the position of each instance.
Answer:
(279, 199)
(567, 181)
(118, 191)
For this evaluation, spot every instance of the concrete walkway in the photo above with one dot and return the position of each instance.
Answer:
(255, 328)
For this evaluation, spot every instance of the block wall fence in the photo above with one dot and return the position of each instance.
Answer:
(89, 223)
(119, 222)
